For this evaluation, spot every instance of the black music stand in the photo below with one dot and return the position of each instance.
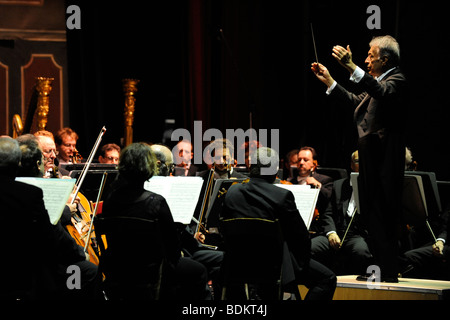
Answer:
(414, 203)
(93, 178)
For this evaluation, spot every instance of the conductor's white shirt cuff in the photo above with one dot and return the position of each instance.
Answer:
(330, 88)
(357, 75)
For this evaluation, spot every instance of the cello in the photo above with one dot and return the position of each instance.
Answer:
(81, 228)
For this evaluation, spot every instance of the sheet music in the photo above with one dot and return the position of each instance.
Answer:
(305, 199)
(181, 194)
(56, 193)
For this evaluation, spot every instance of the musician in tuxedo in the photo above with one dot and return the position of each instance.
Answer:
(182, 155)
(183, 277)
(432, 259)
(67, 251)
(380, 118)
(343, 246)
(109, 153)
(219, 157)
(306, 175)
(191, 246)
(28, 273)
(260, 198)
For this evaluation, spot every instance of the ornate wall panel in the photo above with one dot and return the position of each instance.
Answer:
(4, 99)
(43, 65)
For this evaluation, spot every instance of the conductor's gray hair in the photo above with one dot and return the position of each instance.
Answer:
(10, 153)
(264, 161)
(388, 47)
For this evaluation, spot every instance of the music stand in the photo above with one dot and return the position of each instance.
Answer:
(415, 210)
(93, 178)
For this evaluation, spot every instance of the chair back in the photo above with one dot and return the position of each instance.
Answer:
(253, 252)
(333, 173)
(131, 256)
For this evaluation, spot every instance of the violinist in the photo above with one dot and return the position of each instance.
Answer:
(48, 147)
(51, 170)
(28, 265)
(67, 252)
(306, 175)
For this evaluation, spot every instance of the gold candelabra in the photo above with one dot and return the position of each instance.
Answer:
(43, 87)
(129, 88)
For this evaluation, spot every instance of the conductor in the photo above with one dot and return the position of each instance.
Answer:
(379, 117)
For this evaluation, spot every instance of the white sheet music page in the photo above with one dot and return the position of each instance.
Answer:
(305, 199)
(181, 193)
(56, 193)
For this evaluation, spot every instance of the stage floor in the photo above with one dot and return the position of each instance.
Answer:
(348, 288)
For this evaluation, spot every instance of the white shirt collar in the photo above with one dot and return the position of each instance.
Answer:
(384, 74)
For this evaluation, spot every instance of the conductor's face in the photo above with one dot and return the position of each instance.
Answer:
(375, 65)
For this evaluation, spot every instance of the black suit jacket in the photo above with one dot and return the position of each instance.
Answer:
(261, 199)
(29, 254)
(342, 194)
(381, 107)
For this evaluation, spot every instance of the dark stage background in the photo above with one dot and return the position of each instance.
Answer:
(259, 64)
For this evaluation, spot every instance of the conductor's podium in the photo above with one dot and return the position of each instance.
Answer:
(348, 288)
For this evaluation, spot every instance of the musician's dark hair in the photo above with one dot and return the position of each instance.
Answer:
(137, 163)
(313, 151)
(31, 156)
(263, 157)
(108, 147)
(10, 155)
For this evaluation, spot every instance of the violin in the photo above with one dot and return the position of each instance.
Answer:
(79, 230)
(82, 223)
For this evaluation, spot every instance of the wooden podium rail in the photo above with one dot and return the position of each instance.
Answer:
(348, 288)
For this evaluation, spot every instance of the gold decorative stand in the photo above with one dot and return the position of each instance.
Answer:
(129, 88)
(43, 87)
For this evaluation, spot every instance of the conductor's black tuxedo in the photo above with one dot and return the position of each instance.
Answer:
(379, 115)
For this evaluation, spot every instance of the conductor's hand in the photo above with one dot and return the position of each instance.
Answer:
(344, 57)
(321, 72)
(334, 241)
(438, 248)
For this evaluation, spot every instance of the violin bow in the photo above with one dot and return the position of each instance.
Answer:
(205, 197)
(99, 195)
(88, 163)
(348, 227)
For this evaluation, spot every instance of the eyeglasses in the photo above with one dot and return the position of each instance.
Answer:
(112, 158)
